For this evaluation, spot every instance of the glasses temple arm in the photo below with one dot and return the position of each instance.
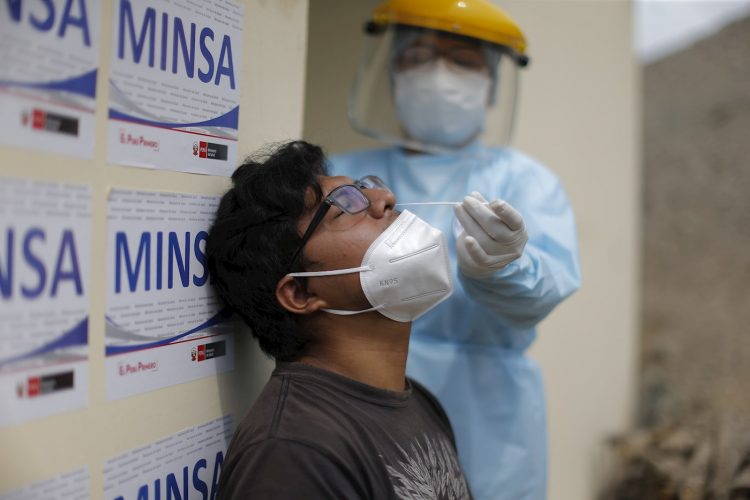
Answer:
(308, 233)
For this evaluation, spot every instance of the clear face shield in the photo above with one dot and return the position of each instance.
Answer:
(433, 91)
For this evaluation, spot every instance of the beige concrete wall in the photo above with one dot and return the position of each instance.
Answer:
(273, 62)
(579, 114)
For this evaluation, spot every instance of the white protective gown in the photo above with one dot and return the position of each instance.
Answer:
(470, 350)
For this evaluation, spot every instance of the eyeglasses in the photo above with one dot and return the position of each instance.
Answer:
(464, 57)
(349, 198)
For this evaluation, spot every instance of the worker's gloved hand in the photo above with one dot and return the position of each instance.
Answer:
(494, 235)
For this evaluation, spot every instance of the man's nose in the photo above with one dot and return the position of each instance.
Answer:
(380, 201)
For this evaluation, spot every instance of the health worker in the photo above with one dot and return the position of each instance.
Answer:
(438, 84)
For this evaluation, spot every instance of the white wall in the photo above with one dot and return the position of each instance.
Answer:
(579, 114)
(271, 110)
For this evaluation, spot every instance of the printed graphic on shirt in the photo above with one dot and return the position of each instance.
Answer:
(428, 470)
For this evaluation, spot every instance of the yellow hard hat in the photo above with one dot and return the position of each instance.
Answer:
(474, 18)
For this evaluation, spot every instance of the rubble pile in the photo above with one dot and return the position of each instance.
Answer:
(676, 463)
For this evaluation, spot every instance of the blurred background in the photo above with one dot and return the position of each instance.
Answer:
(693, 437)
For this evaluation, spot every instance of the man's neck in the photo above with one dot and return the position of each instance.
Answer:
(368, 348)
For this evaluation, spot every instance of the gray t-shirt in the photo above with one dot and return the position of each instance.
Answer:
(315, 434)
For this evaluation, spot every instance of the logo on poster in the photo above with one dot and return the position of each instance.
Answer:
(41, 120)
(210, 150)
(208, 351)
(41, 385)
(138, 141)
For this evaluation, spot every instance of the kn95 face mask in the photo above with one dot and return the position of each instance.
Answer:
(405, 271)
(441, 106)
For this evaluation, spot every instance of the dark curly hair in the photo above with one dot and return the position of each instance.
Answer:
(254, 236)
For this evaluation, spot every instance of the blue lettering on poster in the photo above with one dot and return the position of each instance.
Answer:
(26, 249)
(136, 261)
(43, 16)
(142, 37)
(178, 486)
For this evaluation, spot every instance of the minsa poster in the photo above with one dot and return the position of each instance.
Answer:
(73, 485)
(183, 465)
(49, 52)
(45, 245)
(174, 85)
(164, 325)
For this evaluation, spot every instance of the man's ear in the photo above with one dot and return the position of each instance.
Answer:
(295, 298)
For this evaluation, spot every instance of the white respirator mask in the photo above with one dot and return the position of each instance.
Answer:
(405, 271)
(442, 106)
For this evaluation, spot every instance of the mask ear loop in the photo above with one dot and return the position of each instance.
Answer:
(352, 270)
(339, 312)
(336, 272)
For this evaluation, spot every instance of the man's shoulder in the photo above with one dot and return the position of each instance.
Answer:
(431, 404)
(292, 407)
(422, 393)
